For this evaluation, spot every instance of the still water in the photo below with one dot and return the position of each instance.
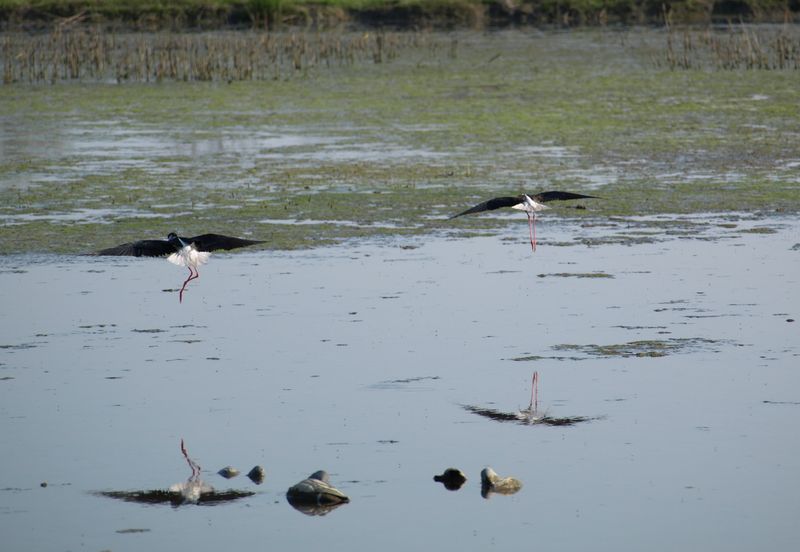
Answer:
(362, 360)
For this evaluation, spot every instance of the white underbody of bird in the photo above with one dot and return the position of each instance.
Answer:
(189, 256)
(529, 205)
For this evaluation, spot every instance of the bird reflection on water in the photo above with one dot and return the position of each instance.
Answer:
(192, 491)
(528, 416)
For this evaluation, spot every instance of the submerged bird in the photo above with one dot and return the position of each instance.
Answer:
(531, 204)
(188, 252)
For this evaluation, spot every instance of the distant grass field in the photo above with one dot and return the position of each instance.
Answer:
(394, 13)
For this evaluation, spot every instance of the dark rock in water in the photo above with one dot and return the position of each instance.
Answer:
(493, 483)
(315, 496)
(256, 475)
(452, 479)
(228, 472)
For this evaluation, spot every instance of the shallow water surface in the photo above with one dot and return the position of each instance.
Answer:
(359, 359)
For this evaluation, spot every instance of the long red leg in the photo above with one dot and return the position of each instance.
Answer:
(192, 464)
(192, 275)
(532, 230)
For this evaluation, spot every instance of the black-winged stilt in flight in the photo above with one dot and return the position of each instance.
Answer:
(188, 252)
(530, 203)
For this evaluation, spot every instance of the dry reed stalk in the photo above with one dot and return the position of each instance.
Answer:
(71, 52)
(735, 48)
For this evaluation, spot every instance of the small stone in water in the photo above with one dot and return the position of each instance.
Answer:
(493, 483)
(452, 479)
(256, 475)
(228, 472)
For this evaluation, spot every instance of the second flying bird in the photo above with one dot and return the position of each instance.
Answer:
(531, 204)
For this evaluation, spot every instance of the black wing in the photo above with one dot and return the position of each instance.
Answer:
(142, 248)
(491, 205)
(210, 242)
(544, 197)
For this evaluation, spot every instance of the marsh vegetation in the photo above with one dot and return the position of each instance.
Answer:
(92, 53)
(732, 48)
(356, 148)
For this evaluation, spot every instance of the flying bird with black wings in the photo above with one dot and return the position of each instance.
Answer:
(188, 252)
(530, 203)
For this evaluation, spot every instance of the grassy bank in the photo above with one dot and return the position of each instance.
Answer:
(393, 13)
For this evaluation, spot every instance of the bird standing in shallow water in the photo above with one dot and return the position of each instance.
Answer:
(531, 204)
(188, 252)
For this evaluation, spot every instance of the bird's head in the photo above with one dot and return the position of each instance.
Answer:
(172, 236)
